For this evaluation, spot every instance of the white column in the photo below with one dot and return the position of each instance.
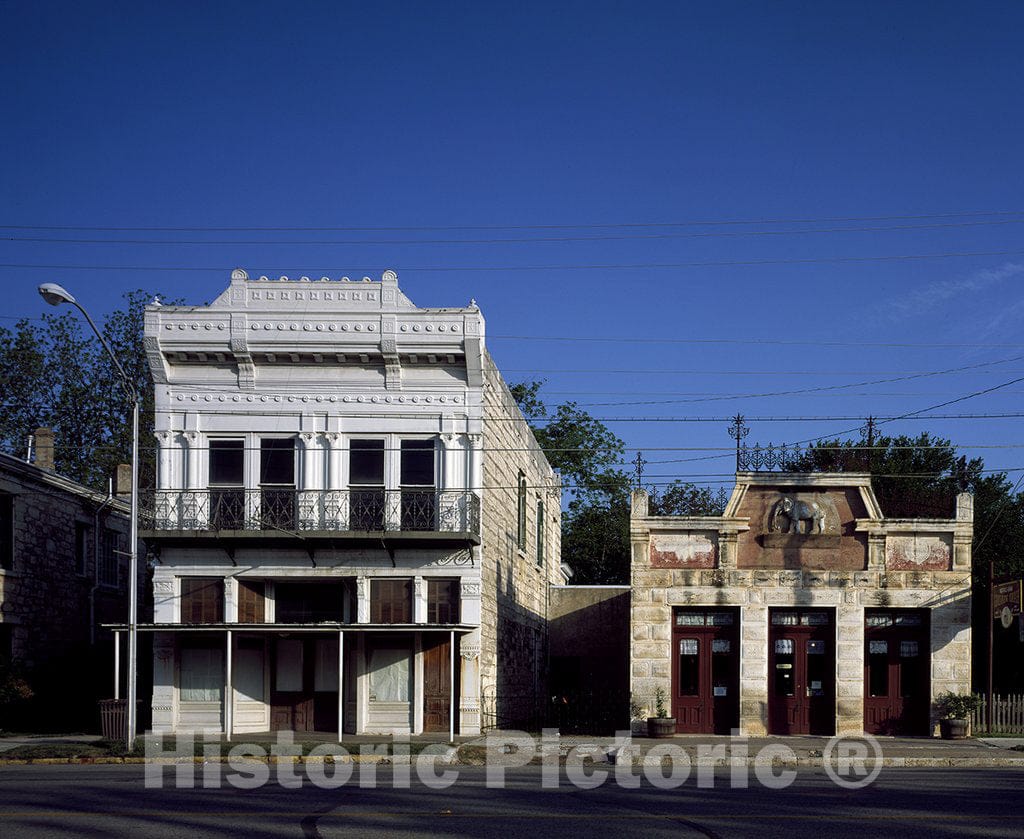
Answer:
(333, 439)
(164, 476)
(476, 463)
(192, 480)
(341, 684)
(117, 664)
(229, 691)
(419, 600)
(310, 477)
(362, 600)
(451, 686)
(417, 683)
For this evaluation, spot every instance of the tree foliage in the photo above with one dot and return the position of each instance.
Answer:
(57, 375)
(595, 523)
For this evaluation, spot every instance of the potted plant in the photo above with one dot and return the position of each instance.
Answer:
(661, 724)
(955, 711)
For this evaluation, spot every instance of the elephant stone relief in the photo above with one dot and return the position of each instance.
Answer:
(793, 515)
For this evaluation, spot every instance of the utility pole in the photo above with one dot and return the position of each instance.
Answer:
(738, 431)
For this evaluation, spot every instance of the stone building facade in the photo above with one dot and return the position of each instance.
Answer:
(63, 572)
(801, 610)
(354, 527)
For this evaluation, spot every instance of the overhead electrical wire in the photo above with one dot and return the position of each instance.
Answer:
(563, 267)
(599, 226)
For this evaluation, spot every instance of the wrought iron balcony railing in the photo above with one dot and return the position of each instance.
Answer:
(290, 510)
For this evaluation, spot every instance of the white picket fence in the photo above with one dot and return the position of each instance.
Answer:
(1007, 715)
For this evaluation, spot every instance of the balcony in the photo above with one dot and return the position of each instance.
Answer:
(364, 512)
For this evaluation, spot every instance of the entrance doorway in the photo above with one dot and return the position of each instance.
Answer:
(896, 680)
(437, 684)
(706, 671)
(802, 671)
(304, 685)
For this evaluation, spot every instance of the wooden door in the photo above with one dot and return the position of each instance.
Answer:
(304, 685)
(705, 671)
(437, 692)
(801, 672)
(896, 679)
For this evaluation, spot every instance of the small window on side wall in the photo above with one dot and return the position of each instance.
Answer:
(109, 558)
(6, 530)
(521, 512)
(541, 558)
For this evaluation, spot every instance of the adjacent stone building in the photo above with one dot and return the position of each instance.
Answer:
(802, 609)
(353, 528)
(63, 572)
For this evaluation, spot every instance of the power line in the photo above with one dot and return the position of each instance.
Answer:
(601, 226)
(564, 267)
(517, 241)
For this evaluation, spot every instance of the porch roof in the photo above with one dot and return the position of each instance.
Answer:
(295, 627)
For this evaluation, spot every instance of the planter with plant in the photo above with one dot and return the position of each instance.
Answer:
(661, 724)
(955, 710)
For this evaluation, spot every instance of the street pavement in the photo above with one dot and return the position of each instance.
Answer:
(38, 802)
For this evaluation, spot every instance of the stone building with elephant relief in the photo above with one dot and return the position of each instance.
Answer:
(803, 609)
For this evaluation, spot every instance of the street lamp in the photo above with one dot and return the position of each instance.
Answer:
(55, 295)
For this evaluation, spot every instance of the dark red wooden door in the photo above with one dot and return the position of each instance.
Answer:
(896, 679)
(801, 672)
(705, 671)
(437, 692)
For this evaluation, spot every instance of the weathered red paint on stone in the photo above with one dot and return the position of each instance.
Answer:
(670, 559)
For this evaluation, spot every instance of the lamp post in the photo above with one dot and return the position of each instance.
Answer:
(55, 295)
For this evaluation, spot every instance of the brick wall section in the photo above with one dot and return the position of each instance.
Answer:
(43, 597)
(514, 589)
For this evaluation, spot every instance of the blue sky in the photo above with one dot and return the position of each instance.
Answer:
(736, 198)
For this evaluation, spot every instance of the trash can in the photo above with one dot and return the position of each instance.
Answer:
(114, 718)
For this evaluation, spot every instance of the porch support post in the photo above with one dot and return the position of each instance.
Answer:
(228, 691)
(117, 664)
(341, 684)
(451, 686)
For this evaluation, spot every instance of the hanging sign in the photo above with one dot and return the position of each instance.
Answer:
(1006, 600)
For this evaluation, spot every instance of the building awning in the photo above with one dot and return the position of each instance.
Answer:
(294, 627)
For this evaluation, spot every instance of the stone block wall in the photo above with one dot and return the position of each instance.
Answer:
(944, 591)
(514, 587)
(47, 600)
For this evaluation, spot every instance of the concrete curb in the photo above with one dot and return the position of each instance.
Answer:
(808, 762)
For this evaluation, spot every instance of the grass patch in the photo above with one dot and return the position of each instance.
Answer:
(54, 750)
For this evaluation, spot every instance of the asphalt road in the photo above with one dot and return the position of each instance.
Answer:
(92, 801)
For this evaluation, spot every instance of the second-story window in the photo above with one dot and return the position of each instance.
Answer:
(366, 479)
(419, 505)
(202, 599)
(227, 482)
(277, 483)
(390, 601)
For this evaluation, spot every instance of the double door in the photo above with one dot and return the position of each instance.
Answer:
(706, 671)
(896, 680)
(802, 671)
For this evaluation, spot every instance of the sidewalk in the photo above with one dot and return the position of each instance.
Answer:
(514, 748)
(720, 750)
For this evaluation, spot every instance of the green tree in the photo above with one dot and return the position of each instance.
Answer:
(595, 522)
(919, 477)
(58, 375)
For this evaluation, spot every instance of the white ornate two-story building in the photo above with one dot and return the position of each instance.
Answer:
(353, 528)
